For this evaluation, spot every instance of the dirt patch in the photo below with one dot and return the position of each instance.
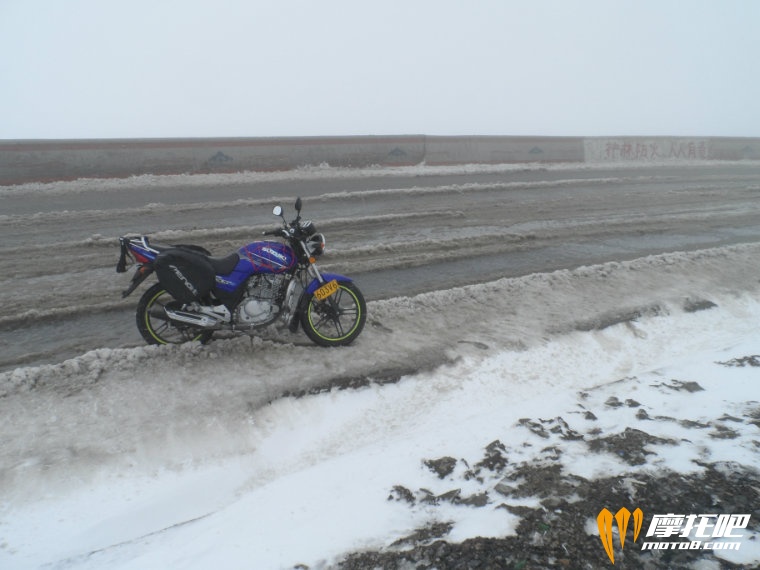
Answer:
(753, 361)
(629, 445)
(441, 467)
(555, 535)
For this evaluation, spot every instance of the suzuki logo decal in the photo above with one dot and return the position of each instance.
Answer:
(274, 253)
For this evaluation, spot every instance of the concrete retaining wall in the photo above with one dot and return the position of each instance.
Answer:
(735, 149)
(24, 161)
(497, 150)
(27, 161)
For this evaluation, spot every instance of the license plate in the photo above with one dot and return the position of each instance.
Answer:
(326, 290)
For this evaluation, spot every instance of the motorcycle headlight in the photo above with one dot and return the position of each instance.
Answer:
(316, 245)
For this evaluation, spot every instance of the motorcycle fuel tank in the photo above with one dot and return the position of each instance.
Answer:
(269, 256)
(258, 257)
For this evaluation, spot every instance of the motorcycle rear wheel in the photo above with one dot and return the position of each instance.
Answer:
(337, 320)
(156, 328)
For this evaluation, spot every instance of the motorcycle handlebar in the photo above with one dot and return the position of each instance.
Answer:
(284, 232)
(293, 232)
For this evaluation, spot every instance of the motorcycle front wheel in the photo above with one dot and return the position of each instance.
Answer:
(156, 328)
(337, 320)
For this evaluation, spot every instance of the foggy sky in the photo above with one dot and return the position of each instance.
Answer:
(200, 68)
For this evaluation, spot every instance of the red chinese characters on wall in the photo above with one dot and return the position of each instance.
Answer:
(647, 151)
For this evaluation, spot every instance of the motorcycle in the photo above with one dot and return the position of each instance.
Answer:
(198, 295)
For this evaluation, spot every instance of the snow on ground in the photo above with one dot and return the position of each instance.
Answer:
(313, 172)
(325, 171)
(198, 457)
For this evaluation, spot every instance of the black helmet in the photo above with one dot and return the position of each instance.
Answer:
(316, 245)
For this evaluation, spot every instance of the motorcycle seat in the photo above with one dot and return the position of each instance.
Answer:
(224, 265)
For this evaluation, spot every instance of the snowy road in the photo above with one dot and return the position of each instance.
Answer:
(610, 379)
(397, 231)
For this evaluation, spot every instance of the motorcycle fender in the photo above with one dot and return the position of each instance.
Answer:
(315, 284)
(142, 273)
(306, 295)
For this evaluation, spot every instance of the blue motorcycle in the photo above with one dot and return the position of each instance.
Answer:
(197, 294)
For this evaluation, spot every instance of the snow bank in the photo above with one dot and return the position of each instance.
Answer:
(248, 454)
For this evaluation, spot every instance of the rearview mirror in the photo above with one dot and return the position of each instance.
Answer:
(277, 211)
(298, 205)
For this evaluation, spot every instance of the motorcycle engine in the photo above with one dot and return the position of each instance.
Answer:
(260, 305)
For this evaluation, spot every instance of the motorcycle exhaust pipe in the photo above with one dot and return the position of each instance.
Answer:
(202, 321)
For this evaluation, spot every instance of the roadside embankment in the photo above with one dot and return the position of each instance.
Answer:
(45, 160)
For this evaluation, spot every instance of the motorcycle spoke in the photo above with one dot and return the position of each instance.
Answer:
(157, 311)
(325, 322)
(335, 319)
